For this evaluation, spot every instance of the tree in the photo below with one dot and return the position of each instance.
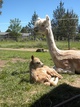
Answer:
(25, 29)
(8, 30)
(69, 25)
(15, 25)
(1, 2)
(64, 22)
(15, 28)
(29, 27)
(79, 29)
(32, 22)
(34, 18)
(57, 14)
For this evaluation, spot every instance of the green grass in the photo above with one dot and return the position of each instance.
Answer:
(38, 44)
(64, 45)
(15, 87)
(26, 44)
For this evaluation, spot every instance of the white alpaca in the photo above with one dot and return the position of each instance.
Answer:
(66, 61)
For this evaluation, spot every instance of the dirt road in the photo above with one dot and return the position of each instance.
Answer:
(20, 49)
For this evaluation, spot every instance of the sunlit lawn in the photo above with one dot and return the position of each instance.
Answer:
(38, 44)
(15, 87)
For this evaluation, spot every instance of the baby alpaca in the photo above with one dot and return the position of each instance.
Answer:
(41, 73)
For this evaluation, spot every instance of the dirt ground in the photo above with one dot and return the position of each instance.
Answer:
(20, 49)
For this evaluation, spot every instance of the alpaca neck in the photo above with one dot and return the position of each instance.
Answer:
(51, 43)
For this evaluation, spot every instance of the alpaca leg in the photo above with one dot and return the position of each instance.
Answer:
(52, 72)
(57, 74)
(47, 83)
(64, 71)
(54, 82)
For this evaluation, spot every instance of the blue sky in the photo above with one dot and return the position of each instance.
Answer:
(24, 9)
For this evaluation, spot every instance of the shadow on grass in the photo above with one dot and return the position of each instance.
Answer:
(23, 79)
(58, 95)
(17, 73)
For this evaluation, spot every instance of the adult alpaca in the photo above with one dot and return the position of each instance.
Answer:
(66, 61)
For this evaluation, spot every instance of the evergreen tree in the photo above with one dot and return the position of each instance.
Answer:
(29, 27)
(15, 25)
(15, 28)
(79, 29)
(33, 19)
(69, 24)
(57, 14)
(25, 29)
(64, 22)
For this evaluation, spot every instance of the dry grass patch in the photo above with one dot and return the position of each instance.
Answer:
(14, 60)
(2, 63)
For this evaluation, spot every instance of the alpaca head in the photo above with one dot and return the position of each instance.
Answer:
(35, 62)
(42, 24)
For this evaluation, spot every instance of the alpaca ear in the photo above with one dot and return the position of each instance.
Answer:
(32, 57)
(47, 17)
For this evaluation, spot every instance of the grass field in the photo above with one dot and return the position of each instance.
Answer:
(15, 87)
(38, 44)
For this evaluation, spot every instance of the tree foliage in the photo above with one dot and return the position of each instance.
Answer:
(15, 25)
(14, 28)
(57, 14)
(79, 28)
(64, 22)
(25, 29)
(30, 25)
(32, 22)
(34, 18)
(69, 23)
